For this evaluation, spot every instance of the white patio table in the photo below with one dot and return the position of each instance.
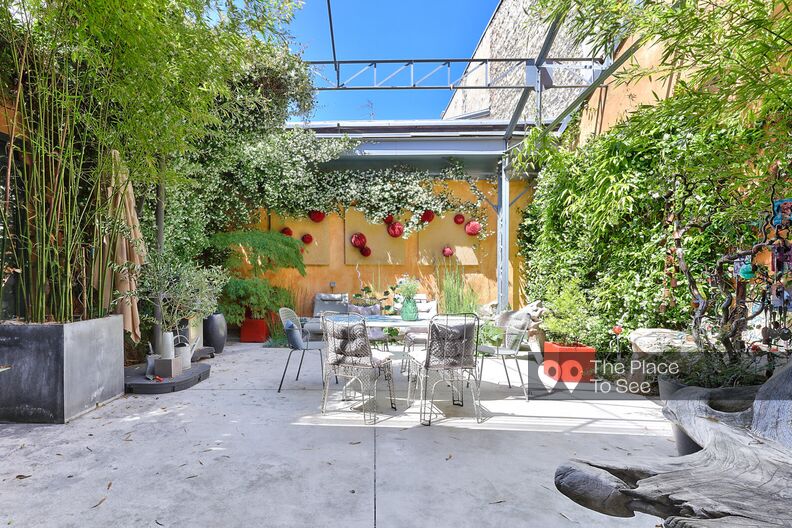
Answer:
(314, 324)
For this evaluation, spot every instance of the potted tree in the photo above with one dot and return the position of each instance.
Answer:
(183, 291)
(249, 299)
(568, 323)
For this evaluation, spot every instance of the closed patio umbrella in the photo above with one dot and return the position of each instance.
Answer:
(129, 248)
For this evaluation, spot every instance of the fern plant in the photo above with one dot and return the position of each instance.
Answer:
(247, 255)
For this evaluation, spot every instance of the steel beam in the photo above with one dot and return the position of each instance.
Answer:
(541, 57)
(429, 77)
(599, 79)
(502, 265)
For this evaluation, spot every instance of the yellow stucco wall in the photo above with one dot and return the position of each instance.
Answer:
(613, 101)
(348, 276)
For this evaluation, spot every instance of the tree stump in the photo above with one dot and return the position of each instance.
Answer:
(741, 478)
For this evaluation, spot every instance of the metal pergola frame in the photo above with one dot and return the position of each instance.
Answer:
(538, 76)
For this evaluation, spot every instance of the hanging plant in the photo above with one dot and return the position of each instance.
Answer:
(473, 228)
(316, 216)
(365, 251)
(427, 216)
(396, 229)
(448, 251)
(459, 219)
(307, 238)
(358, 240)
(287, 231)
(388, 219)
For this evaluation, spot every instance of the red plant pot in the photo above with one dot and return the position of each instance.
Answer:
(254, 331)
(576, 361)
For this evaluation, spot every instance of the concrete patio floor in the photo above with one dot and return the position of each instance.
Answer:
(232, 452)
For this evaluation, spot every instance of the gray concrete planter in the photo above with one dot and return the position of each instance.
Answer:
(60, 371)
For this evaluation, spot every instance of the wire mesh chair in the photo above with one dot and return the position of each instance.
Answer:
(451, 355)
(300, 343)
(350, 356)
(508, 349)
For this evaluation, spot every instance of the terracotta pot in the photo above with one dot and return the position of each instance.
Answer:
(571, 358)
(254, 331)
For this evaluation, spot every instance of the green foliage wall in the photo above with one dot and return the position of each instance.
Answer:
(601, 211)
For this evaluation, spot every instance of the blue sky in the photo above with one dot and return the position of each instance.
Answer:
(388, 29)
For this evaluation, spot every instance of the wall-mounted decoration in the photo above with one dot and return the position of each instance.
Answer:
(396, 229)
(315, 237)
(376, 246)
(473, 228)
(782, 211)
(427, 216)
(316, 216)
(459, 219)
(358, 240)
(445, 236)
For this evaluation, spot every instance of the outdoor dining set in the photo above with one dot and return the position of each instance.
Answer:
(439, 349)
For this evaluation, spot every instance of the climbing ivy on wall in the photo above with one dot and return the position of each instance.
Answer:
(601, 214)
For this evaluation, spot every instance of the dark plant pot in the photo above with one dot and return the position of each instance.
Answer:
(60, 371)
(215, 332)
(684, 444)
(254, 331)
(569, 358)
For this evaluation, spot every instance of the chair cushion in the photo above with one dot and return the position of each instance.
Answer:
(294, 336)
(377, 359)
(452, 345)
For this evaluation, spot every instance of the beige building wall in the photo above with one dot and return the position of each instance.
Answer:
(514, 32)
(614, 101)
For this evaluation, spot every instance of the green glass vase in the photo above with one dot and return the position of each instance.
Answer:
(409, 310)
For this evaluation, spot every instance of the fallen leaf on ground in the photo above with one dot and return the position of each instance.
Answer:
(191, 476)
(449, 457)
(22, 477)
(99, 503)
(110, 484)
(498, 501)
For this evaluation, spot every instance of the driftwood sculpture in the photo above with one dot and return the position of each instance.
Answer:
(742, 477)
